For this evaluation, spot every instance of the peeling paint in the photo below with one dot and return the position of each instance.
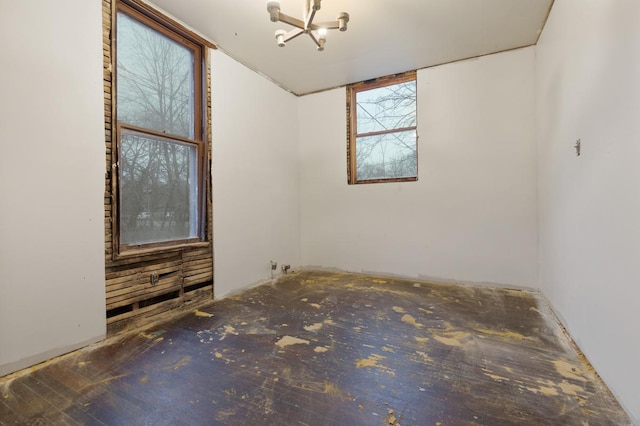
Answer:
(372, 361)
(223, 415)
(178, 365)
(424, 356)
(493, 376)
(452, 338)
(228, 329)
(110, 379)
(313, 327)
(152, 335)
(548, 391)
(202, 314)
(570, 389)
(290, 340)
(409, 319)
(332, 389)
(568, 371)
(399, 310)
(503, 334)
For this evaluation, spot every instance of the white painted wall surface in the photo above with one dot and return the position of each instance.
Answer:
(472, 214)
(52, 291)
(255, 176)
(588, 88)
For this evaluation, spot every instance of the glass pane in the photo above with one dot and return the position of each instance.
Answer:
(390, 155)
(158, 189)
(386, 108)
(155, 81)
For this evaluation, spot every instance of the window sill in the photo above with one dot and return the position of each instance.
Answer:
(392, 180)
(142, 251)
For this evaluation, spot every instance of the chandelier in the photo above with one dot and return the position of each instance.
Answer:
(317, 32)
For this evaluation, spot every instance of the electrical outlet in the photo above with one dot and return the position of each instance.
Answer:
(274, 265)
(154, 278)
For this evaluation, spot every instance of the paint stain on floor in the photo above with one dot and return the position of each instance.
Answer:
(373, 361)
(290, 340)
(410, 319)
(451, 338)
(202, 314)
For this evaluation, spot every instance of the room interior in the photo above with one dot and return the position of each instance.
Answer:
(502, 198)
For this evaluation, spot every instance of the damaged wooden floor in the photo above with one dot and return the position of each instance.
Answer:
(322, 348)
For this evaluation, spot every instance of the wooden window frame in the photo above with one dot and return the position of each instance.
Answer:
(149, 17)
(352, 131)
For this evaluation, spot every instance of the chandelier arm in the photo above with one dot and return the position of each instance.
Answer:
(293, 34)
(291, 21)
(329, 25)
(309, 19)
(314, 38)
(318, 39)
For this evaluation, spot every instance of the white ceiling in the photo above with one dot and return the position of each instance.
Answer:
(383, 36)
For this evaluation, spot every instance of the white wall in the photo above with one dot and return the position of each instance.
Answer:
(471, 216)
(255, 176)
(51, 179)
(588, 88)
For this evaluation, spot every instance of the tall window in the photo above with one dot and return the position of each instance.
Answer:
(382, 137)
(160, 139)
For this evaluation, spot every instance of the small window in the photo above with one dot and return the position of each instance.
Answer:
(160, 138)
(382, 137)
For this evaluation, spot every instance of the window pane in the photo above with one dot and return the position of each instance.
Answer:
(155, 81)
(390, 155)
(158, 189)
(386, 108)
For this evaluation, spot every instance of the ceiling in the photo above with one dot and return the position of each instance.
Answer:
(383, 37)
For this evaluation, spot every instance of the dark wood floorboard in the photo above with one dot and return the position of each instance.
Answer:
(324, 348)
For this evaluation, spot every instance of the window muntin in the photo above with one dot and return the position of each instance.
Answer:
(160, 145)
(383, 130)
